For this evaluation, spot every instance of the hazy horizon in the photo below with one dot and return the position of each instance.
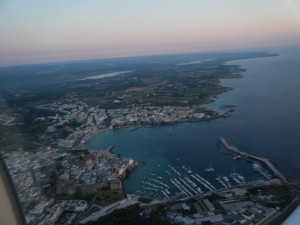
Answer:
(54, 31)
(249, 49)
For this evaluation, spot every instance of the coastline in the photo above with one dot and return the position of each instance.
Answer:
(210, 99)
(233, 137)
(86, 138)
(134, 127)
(213, 115)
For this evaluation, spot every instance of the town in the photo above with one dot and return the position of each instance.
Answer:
(82, 175)
(51, 181)
(66, 182)
(48, 178)
(79, 121)
(59, 186)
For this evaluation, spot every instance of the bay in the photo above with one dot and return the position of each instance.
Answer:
(265, 122)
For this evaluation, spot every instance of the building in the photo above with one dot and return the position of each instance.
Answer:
(115, 184)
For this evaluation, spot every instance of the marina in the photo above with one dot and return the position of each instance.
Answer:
(183, 182)
(164, 176)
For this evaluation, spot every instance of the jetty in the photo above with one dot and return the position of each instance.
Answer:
(265, 163)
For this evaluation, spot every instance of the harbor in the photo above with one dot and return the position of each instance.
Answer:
(163, 176)
(183, 182)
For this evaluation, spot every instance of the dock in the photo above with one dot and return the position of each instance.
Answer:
(265, 163)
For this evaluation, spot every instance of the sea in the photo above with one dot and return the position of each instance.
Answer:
(265, 122)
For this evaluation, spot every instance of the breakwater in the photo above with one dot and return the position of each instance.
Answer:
(264, 163)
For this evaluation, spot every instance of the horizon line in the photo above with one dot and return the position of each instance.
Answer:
(145, 55)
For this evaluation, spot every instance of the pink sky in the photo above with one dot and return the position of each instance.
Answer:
(35, 31)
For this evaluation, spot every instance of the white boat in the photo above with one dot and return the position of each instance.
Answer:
(210, 169)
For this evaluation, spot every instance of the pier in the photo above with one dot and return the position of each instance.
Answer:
(265, 163)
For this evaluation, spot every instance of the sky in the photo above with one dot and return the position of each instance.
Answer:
(35, 31)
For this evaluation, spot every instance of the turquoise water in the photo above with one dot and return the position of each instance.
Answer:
(265, 122)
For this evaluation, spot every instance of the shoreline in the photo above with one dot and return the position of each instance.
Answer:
(137, 163)
(214, 115)
(87, 138)
(149, 125)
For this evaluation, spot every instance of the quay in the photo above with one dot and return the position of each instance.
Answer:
(264, 162)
